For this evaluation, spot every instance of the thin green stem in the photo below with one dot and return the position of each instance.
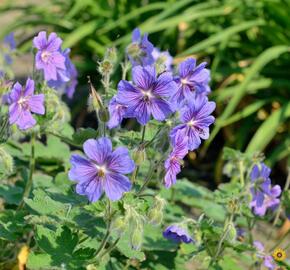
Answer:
(143, 134)
(136, 171)
(108, 231)
(223, 237)
(125, 67)
(65, 139)
(241, 168)
(145, 183)
(148, 178)
(250, 227)
(3, 127)
(104, 128)
(31, 171)
(108, 251)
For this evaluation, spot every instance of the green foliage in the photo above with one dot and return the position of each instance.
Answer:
(62, 247)
(247, 46)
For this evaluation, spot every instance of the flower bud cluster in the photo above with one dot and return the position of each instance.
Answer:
(57, 112)
(106, 66)
(6, 162)
(135, 221)
(155, 213)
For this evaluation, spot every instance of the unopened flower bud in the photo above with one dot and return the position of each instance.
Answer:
(56, 111)
(105, 67)
(137, 237)
(103, 115)
(91, 267)
(160, 65)
(233, 206)
(111, 55)
(155, 216)
(139, 155)
(95, 97)
(231, 232)
(119, 225)
(155, 213)
(134, 50)
(6, 162)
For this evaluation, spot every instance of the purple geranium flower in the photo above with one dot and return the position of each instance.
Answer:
(163, 58)
(196, 119)
(49, 57)
(268, 261)
(22, 102)
(147, 95)
(117, 112)
(101, 170)
(173, 162)
(140, 50)
(10, 41)
(192, 80)
(177, 234)
(67, 79)
(264, 196)
(9, 47)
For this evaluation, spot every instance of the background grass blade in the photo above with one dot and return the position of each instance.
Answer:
(268, 129)
(263, 59)
(218, 37)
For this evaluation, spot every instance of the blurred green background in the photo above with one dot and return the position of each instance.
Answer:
(245, 42)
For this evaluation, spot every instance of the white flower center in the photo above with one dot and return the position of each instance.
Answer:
(184, 81)
(102, 170)
(147, 95)
(45, 55)
(191, 123)
(23, 102)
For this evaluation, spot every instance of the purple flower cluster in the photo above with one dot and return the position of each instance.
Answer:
(22, 103)
(102, 170)
(161, 95)
(177, 234)
(57, 67)
(264, 196)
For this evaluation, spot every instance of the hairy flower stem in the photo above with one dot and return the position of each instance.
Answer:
(108, 231)
(65, 139)
(3, 128)
(148, 178)
(104, 128)
(31, 171)
(108, 251)
(106, 84)
(228, 221)
(135, 173)
(250, 228)
(241, 168)
(125, 67)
